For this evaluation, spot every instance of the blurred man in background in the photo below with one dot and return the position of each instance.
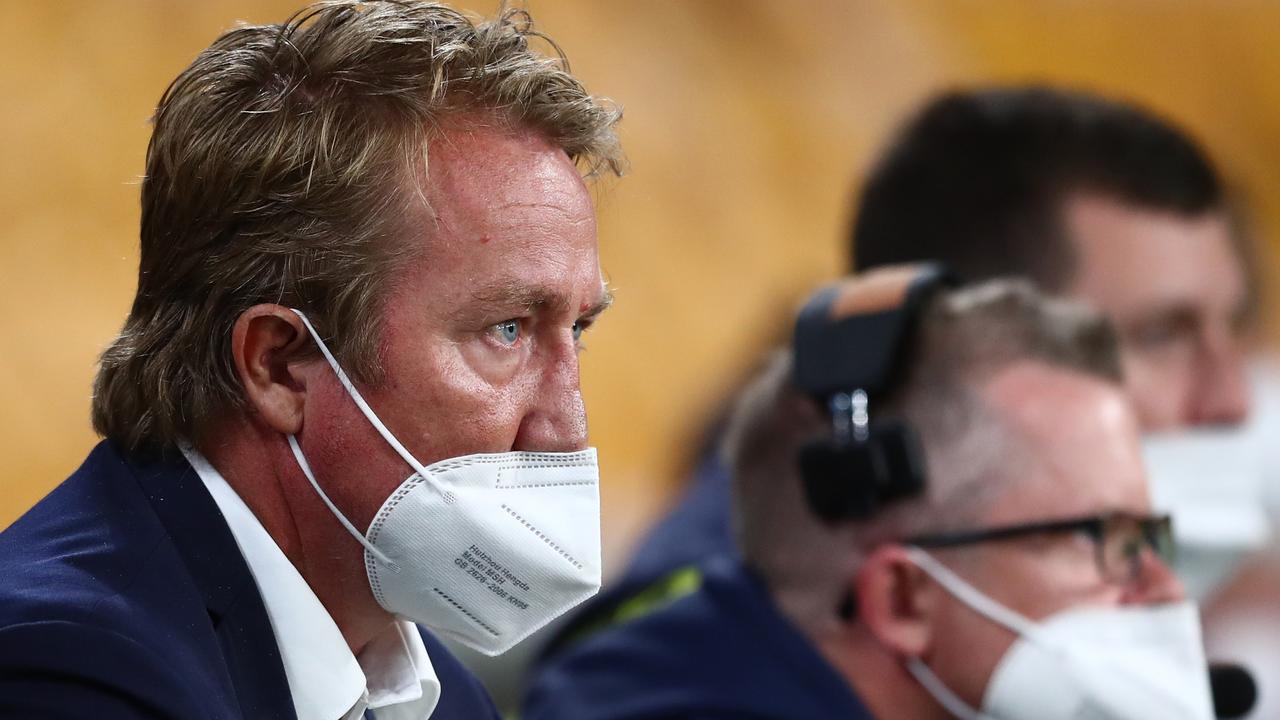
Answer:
(1106, 203)
(1091, 199)
(1019, 581)
(205, 561)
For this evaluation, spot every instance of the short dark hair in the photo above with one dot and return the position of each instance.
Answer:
(977, 178)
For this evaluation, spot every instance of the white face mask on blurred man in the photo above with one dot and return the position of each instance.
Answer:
(1110, 663)
(1222, 484)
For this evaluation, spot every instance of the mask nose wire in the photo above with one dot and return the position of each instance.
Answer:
(360, 402)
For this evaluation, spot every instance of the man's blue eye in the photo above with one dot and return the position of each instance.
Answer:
(577, 331)
(508, 331)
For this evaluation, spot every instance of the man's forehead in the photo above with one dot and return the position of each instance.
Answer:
(1052, 403)
(501, 198)
(1077, 438)
(506, 218)
(1144, 258)
(492, 167)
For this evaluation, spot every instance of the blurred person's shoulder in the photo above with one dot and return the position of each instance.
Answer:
(720, 651)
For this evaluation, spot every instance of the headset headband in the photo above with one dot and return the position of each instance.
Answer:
(850, 336)
(848, 350)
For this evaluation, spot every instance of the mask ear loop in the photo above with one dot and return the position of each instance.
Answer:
(977, 600)
(940, 692)
(979, 603)
(360, 403)
(377, 425)
(359, 536)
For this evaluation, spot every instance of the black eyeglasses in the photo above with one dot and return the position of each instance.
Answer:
(1119, 539)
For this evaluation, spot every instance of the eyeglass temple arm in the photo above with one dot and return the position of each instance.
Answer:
(1092, 525)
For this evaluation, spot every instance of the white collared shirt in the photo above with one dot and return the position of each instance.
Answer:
(392, 675)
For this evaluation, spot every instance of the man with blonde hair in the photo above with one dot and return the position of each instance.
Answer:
(942, 512)
(368, 253)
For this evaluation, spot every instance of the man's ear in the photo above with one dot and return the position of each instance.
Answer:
(264, 340)
(896, 601)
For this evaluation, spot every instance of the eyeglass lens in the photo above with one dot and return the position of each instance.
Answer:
(1120, 549)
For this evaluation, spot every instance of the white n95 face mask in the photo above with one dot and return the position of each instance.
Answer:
(1126, 663)
(1211, 481)
(485, 548)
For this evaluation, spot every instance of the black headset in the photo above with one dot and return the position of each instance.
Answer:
(846, 365)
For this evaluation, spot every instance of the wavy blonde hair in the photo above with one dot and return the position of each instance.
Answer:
(281, 163)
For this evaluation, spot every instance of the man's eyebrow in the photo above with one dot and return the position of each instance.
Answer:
(604, 303)
(519, 296)
(530, 298)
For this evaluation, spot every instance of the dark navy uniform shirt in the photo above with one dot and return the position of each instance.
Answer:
(698, 528)
(722, 651)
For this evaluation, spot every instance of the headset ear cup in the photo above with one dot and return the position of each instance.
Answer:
(851, 482)
(840, 480)
(902, 455)
(819, 468)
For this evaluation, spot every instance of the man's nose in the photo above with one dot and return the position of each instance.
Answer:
(557, 418)
(1222, 392)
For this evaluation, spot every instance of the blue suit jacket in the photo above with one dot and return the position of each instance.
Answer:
(124, 595)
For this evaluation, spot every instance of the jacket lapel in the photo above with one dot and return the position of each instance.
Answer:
(207, 547)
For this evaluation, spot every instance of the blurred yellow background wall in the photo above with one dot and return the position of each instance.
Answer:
(747, 123)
